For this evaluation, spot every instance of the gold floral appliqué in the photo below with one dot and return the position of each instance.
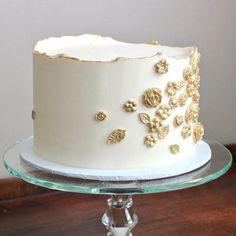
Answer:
(173, 102)
(116, 136)
(100, 116)
(192, 112)
(152, 97)
(163, 131)
(178, 120)
(174, 148)
(162, 66)
(198, 132)
(145, 118)
(130, 106)
(186, 131)
(188, 73)
(180, 84)
(153, 42)
(182, 99)
(150, 140)
(171, 90)
(155, 125)
(164, 111)
(195, 58)
(173, 87)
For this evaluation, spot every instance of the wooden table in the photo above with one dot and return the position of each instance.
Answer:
(205, 210)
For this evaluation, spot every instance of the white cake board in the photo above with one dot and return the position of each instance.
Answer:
(200, 157)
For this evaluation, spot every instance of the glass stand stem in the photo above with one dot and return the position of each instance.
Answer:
(119, 218)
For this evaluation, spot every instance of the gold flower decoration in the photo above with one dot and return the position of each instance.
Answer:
(198, 131)
(130, 106)
(155, 124)
(195, 96)
(174, 148)
(171, 89)
(116, 136)
(182, 99)
(178, 120)
(100, 116)
(173, 102)
(195, 112)
(152, 97)
(162, 66)
(33, 115)
(186, 131)
(188, 73)
(193, 86)
(150, 140)
(164, 111)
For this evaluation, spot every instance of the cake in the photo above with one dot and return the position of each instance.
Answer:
(101, 104)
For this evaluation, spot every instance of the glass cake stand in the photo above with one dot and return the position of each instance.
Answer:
(119, 219)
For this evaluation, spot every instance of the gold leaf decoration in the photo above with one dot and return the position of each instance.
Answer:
(180, 84)
(116, 136)
(163, 131)
(188, 113)
(162, 66)
(186, 131)
(182, 99)
(195, 57)
(150, 140)
(100, 116)
(33, 115)
(130, 106)
(144, 117)
(198, 131)
(178, 120)
(192, 112)
(152, 97)
(174, 148)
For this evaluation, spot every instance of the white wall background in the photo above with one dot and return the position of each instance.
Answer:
(209, 24)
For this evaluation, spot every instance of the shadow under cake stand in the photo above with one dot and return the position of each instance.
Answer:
(119, 218)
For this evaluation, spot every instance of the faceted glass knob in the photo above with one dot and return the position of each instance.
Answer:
(120, 219)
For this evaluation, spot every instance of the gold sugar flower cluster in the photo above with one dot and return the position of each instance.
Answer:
(152, 98)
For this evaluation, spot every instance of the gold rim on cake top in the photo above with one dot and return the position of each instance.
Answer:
(157, 53)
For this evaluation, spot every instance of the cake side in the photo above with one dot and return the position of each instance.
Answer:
(133, 113)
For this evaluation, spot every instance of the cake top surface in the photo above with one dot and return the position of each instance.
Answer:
(89, 47)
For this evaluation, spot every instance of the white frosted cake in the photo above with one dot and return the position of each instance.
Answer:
(105, 104)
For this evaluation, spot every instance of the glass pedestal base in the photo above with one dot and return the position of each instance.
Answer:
(119, 219)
